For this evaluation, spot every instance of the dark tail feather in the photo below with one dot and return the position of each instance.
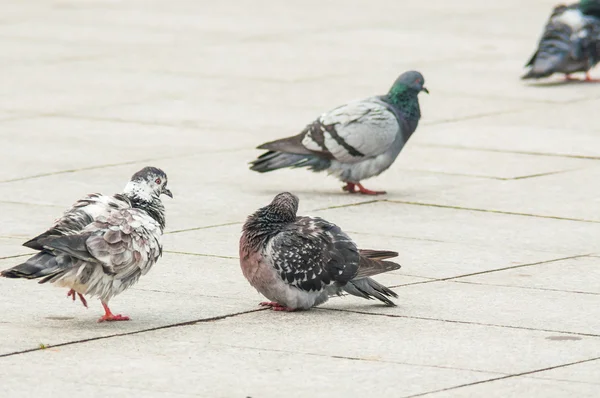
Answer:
(378, 254)
(273, 160)
(41, 265)
(543, 67)
(373, 266)
(370, 289)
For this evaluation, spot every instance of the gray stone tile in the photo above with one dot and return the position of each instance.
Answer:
(204, 368)
(586, 372)
(580, 275)
(566, 195)
(508, 306)
(523, 387)
(511, 232)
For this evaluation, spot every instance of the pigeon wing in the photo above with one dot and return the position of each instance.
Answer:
(353, 132)
(79, 216)
(125, 242)
(313, 253)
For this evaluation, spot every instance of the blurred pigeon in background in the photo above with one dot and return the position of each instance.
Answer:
(355, 141)
(102, 244)
(299, 262)
(570, 42)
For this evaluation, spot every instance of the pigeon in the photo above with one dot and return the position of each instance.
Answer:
(355, 141)
(299, 262)
(570, 42)
(102, 244)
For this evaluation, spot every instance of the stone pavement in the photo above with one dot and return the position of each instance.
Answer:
(494, 205)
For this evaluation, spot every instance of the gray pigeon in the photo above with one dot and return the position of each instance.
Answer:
(355, 141)
(570, 42)
(299, 262)
(102, 244)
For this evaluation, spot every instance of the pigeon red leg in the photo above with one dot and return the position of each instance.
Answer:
(276, 306)
(568, 77)
(72, 293)
(349, 187)
(110, 317)
(588, 78)
(366, 191)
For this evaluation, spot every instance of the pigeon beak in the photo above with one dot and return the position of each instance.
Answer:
(167, 192)
(425, 89)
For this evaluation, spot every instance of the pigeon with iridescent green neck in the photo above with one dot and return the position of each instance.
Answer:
(355, 141)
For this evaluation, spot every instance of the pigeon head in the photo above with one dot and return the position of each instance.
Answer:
(284, 206)
(148, 184)
(408, 82)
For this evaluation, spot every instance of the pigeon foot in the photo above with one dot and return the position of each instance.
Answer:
(588, 78)
(110, 317)
(351, 188)
(276, 306)
(74, 294)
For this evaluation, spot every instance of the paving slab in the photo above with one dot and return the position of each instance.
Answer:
(511, 232)
(490, 303)
(523, 387)
(562, 195)
(577, 275)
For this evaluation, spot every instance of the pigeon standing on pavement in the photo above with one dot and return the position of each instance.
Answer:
(299, 262)
(355, 141)
(570, 42)
(102, 244)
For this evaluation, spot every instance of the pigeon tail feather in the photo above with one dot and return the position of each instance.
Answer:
(41, 265)
(370, 289)
(378, 254)
(274, 160)
(371, 264)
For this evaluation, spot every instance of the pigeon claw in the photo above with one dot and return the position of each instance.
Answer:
(276, 306)
(588, 78)
(351, 187)
(110, 317)
(74, 294)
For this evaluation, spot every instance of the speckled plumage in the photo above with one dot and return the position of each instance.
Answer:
(355, 141)
(570, 42)
(102, 244)
(299, 262)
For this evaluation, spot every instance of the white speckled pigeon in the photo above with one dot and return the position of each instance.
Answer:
(570, 42)
(355, 141)
(102, 244)
(299, 262)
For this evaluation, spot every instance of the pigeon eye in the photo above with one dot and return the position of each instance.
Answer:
(157, 181)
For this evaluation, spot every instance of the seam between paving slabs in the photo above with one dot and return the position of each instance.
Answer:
(558, 155)
(242, 222)
(527, 287)
(103, 166)
(488, 177)
(174, 325)
(494, 325)
(352, 358)
(510, 213)
(504, 377)
(453, 278)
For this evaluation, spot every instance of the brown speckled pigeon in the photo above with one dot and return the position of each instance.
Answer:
(299, 262)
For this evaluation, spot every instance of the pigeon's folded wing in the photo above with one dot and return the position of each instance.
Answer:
(353, 132)
(79, 216)
(123, 241)
(313, 253)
